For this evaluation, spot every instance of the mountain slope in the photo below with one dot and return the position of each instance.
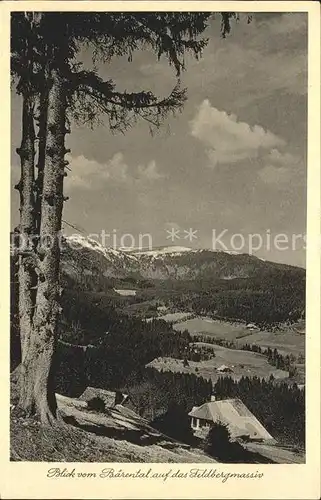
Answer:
(228, 285)
(82, 256)
(231, 286)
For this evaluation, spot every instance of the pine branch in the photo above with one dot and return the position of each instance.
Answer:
(117, 34)
(93, 96)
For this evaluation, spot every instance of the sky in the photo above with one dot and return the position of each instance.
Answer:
(230, 166)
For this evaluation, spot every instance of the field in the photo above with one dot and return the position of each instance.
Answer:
(286, 341)
(176, 317)
(243, 363)
(213, 328)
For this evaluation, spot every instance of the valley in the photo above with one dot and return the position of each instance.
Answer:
(214, 296)
(286, 339)
(168, 328)
(241, 362)
(237, 287)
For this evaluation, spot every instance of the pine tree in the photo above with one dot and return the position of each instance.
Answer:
(55, 91)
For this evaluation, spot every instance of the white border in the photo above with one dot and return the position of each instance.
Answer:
(28, 480)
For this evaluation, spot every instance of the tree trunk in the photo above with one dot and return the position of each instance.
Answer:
(43, 104)
(27, 275)
(37, 388)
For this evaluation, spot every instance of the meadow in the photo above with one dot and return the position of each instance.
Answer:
(213, 328)
(243, 363)
(286, 340)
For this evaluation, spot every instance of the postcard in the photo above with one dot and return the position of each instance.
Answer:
(160, 211)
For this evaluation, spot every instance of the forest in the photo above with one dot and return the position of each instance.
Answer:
(102, 348)
(279, 407)
(270, 300)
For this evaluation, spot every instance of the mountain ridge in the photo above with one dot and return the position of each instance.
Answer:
(168, 262)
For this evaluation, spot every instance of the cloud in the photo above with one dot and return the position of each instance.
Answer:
(85, 172)
(229, 140)
(256, 61)
(282, 24)
(282, 170)
(271, 174)
(149, 172)
(88, 174)
(275, 156)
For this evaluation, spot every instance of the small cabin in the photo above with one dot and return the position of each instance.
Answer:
(251, 326)
(110, 398)
(224, 369)
(125, 292)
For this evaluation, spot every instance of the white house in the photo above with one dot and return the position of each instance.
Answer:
(125, 292)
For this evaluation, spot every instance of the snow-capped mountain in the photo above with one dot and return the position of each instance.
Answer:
(83, 257)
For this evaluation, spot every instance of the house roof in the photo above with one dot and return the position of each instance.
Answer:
(234, 414)
(109, 397)
(223, 368)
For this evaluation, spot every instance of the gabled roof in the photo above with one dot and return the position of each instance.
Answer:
(109, 397)
(223, 368)
(234, 414)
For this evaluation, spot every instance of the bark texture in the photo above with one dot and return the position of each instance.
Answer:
(42, 124)
(36, 376)
(27, 276)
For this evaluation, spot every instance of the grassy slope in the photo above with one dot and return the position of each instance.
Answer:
(95, 437)
(213, 328)
(286, 341)
(253, 364)
(277, 453)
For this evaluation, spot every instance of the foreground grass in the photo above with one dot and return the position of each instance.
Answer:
(66, 443)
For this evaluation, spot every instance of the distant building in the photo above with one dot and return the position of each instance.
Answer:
(251, 326)
(224, 369)
(125, 292)
(231, 412)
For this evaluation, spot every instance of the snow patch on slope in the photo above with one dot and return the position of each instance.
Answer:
(177, 250)
(91, 244)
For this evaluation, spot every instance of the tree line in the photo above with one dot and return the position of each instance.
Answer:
(155, 392)
(279, 407)
(280, 361)
(275, 358)
(166, 398)
(117, 361)
(99, 346)
(274, 298)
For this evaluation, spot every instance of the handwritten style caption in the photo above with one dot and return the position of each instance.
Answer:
(150, 473)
